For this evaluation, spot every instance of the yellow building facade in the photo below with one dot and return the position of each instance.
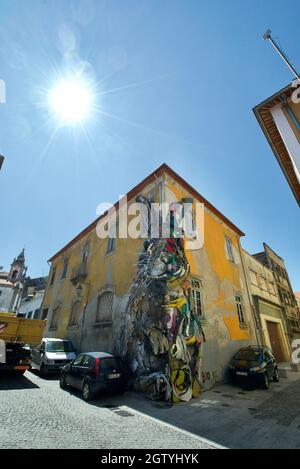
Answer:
(91, 280)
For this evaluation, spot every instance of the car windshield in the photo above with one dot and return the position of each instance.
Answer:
(248, 355)
(60, 346)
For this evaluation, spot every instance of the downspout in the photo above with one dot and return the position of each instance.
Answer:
(253, 310)
(88, 284)
(42, 305)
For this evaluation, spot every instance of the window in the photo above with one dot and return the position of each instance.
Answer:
(53, 276)
(36, 313)
(14, 274)
(229, 252)
(111, 245)
(85, 254)
(54, 319)
(78, 360)
(110, 362)
(240, 308)
(268, 357)
(29, 315)
(59, 346)
(263, 283)
(65, 269)
(253, 277)
(276, 271)
(272, 288)
(75, 312)
(280, 294)
(104, 307)
(87, 361)
(45, 313)
(42, 346)
(196, 297)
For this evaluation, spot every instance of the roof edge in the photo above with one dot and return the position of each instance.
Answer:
(164, 168)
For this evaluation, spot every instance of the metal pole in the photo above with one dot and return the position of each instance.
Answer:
(267, 36)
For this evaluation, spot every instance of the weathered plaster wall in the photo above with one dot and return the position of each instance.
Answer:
(222, 280)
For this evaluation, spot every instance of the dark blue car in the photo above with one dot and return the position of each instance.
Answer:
(254, 366)
(94, 373)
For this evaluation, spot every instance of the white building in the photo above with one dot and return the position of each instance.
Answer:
(30, 305)
(12, 284)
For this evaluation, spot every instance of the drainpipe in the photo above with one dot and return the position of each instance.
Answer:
(83, 314)
(46, 288)
(256, 322)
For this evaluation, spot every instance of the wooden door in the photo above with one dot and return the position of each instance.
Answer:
(275, 340)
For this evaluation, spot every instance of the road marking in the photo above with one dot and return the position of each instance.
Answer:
(172, 427)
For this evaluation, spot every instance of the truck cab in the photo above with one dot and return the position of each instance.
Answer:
(51, 355)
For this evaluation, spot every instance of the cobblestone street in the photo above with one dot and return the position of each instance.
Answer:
(36, 413)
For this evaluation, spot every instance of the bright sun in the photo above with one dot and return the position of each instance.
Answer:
(71, 100)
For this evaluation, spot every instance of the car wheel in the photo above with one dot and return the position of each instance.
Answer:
(62, 382)
(276, 376)
(86, 392)
(266, 382)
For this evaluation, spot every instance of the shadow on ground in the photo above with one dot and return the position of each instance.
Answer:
(48, 377)
(227, 415)
(12, 381)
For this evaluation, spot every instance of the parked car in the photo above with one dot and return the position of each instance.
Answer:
(51, 355)
(254, 366)
(93, 373)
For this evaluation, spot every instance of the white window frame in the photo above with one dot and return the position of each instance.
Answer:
(240, 308)
(194, 290)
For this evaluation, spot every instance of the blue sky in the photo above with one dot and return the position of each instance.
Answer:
(182, 76)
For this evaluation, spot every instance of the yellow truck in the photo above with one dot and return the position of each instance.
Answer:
(17, 335)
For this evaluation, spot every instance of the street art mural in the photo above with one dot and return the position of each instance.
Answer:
(162, 338)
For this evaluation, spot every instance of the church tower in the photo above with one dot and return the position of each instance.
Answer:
(18, 269)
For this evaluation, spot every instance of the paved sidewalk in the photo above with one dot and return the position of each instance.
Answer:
(234, 417)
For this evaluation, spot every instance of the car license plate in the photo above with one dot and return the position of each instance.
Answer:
(114, 376)
(242, 373)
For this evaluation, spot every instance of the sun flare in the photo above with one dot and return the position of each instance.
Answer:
(71, 100)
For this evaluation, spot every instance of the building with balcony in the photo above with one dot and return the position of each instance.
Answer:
(273, 261)
(267, 308)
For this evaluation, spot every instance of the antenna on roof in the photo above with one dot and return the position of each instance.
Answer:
(267, 37)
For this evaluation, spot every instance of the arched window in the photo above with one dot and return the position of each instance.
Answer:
(105, 307)
(14, 274)
(75, 313)
(55, 317)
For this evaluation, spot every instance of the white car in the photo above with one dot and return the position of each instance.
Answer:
(52, 354)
